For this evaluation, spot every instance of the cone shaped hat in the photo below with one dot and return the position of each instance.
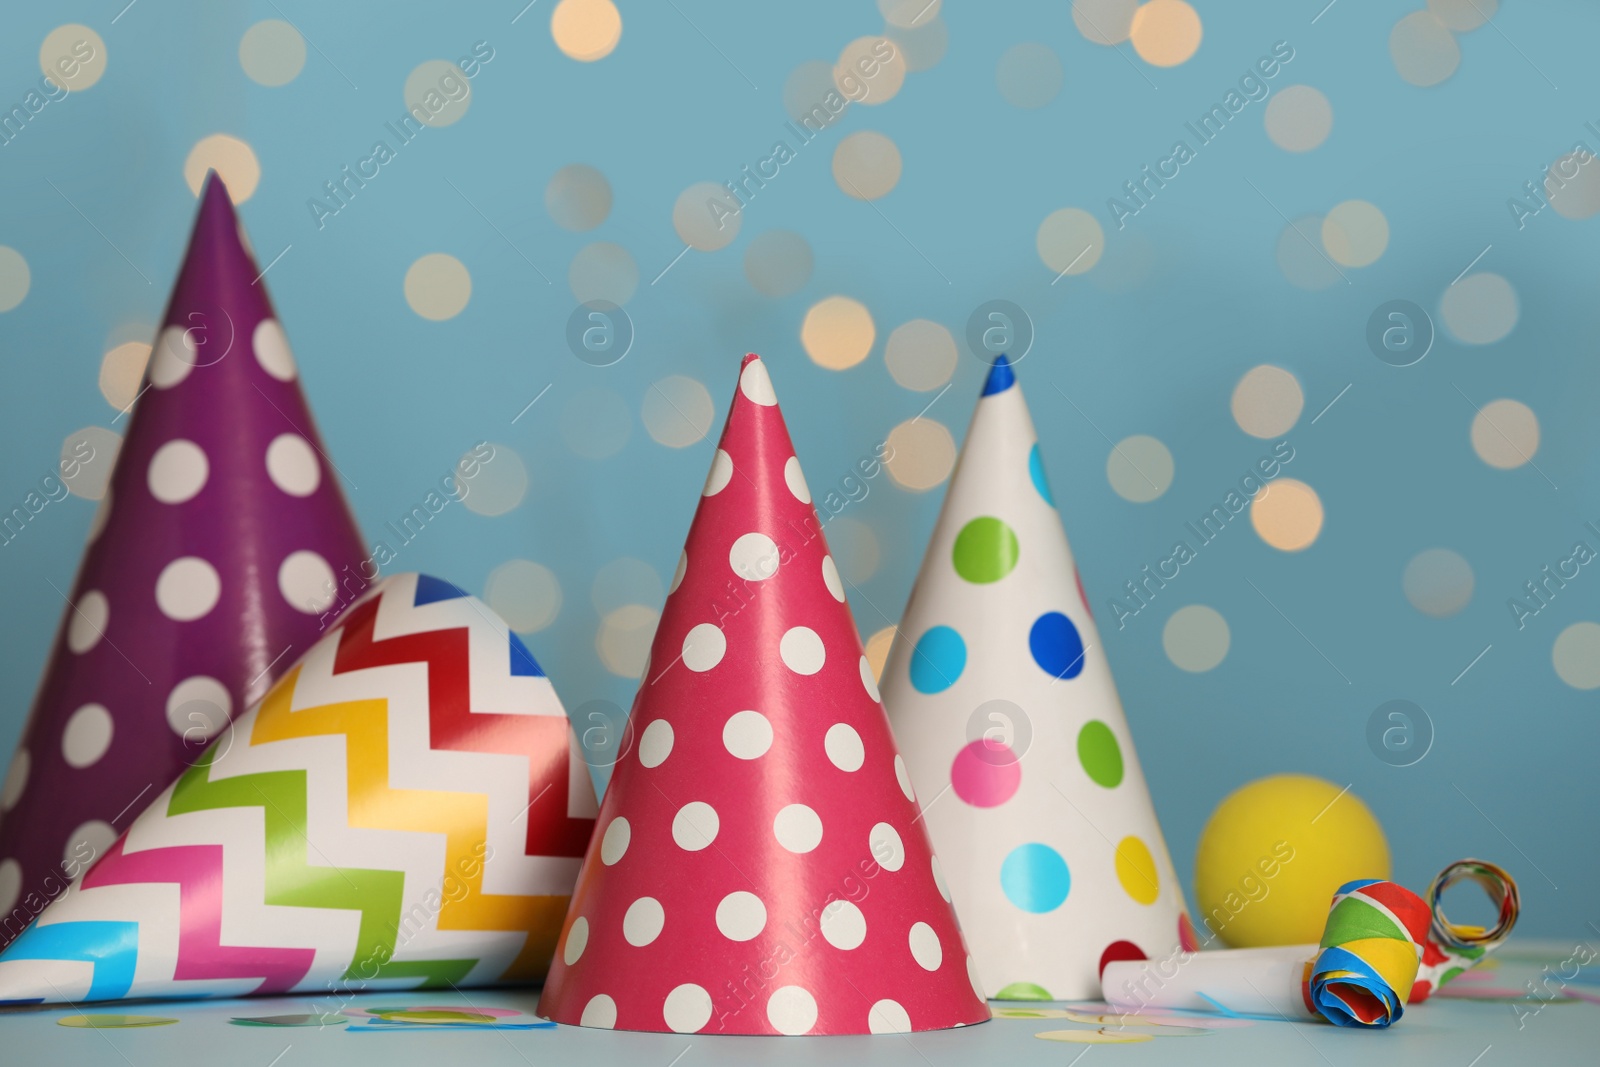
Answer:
(759, 865)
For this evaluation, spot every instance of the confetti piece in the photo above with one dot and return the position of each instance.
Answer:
(437, 1016)
(1138, 1023)
(368, 1013)
(289, 1020)
(1032, 1013)
(113, 1022)
(383, 1025)
(1091, 1037)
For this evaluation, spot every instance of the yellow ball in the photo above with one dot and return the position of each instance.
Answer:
(1273, 853)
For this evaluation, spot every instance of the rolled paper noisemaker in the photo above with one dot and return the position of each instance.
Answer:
(1456, 947)
(1370, 952)
(1384, 948)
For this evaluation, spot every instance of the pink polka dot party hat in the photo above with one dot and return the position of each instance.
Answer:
(759, 865)
(211, 567)
(1004, 707)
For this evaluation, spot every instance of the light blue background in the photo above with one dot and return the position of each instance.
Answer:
(400, 398)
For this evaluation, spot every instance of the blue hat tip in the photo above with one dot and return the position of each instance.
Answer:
(1001, 377)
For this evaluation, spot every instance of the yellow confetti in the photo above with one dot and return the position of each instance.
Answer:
(112, 1022)
(1091, 1037)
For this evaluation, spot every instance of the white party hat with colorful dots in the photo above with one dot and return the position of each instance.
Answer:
(759, 865)
(1004, 707)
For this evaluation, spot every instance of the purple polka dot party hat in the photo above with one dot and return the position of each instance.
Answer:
(1000, 696)
(211, 568)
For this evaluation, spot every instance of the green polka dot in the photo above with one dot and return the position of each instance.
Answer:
(1023, 991)
(986, 550)
(1100, 754)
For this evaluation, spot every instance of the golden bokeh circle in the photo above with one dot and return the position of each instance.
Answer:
(1505, 434)
(1267, 401)
(707, 216)
(866, 165)
(438, 286)
(921, 355)
(837, 332)
(1070, 241)
(922, 453)
(1355, 233)
(586, 30)
(233, 160)
(1287, 514)
(1165, 32)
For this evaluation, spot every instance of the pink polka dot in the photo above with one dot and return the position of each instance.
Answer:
(985, 774)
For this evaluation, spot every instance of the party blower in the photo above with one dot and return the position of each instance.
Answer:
(759, 864)
(1384, 948)
(209, 568)
(405, 808)
(1000, 695)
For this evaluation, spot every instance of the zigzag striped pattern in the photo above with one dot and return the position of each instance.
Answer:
(401, 810)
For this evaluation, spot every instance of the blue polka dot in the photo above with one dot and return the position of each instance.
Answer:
(938, 660)
(1056, 646)
(1035, 877)
(1036, 471)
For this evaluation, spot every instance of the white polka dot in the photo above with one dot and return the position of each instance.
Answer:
(687, 1008)
(655, 744)
(577, 941)
(791, 1010)
(886, 846)
(904, 778)
(177, 472)
(175, 356)
(198, 708)
(695, 826)
(795, 479)
(188, 588)
(306, 582)
(977, 982)
(843, 746)
(888, 1017)
(802, 650)
(88, 843)
(747, 734)
(87, 736)
(721, 474)
(754, 556)
(756, 384)
(925, 947)
(292, 465)
(741, 916)
(600, 1013)
(88, 624)
(643, 921)
(615, 841)
(10, 885)
(843, 925)
(703, 647)
(798, 828)
(677, 575)
(938, 880)
(830, 578)
(868, 682)
(272, 350)
(16, 779)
